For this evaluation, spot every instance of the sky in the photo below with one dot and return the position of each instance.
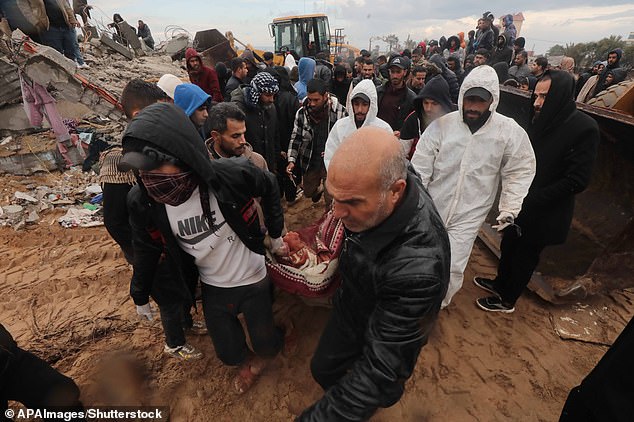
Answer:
(546, 23)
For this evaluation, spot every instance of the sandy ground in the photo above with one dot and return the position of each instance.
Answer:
(65, 297)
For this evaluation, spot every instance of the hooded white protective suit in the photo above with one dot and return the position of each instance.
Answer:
(462, 171)
(344, 127)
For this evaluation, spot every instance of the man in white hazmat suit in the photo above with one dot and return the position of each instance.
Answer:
(463, 156)
(362, 107)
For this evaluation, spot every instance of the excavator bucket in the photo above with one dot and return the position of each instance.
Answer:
(214, 47)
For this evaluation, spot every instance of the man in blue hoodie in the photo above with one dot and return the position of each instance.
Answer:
(306, 69)
(195, 103)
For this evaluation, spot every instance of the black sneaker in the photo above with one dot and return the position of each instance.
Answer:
(494, 304)
(486, 284)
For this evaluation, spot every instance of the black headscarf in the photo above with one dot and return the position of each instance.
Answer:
(557, 107)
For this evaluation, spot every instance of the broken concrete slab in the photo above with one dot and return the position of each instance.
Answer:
(129, 34)
(116, 47)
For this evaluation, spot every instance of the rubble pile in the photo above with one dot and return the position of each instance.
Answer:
(75, 191)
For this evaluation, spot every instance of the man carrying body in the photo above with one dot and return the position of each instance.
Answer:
(394, 266)
(395, 99)
(313, 122)
(175, 313)
(463, 156)
(195, 103)
(363, 108)
(196, 215)
(565, 141)
(205, 77)
(520, 69)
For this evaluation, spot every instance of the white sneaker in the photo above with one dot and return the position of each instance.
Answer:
(83, 66)
(185, 352)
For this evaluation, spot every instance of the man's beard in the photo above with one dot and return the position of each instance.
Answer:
(475, 124)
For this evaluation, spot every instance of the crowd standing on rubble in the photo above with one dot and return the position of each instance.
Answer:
(406, 150)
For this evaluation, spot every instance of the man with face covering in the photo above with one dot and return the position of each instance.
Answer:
(198, 215)
(257, 101)
(362, 112)
(565, 142)
(463, 157)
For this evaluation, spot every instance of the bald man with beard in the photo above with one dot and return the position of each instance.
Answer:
(395, 270)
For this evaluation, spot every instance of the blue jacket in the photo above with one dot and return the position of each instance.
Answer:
(306, 70)
(189, 97)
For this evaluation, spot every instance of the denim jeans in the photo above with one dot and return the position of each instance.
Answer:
(63, 40)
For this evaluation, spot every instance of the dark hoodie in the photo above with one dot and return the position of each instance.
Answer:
(502, 52)
(565, 143)
(340, 89)
(206, 77)
(450, 77)
(233, 181)
(435, 89)
(502, 69)
(286, 104)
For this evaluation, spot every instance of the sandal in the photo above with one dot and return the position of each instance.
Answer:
(248, 373)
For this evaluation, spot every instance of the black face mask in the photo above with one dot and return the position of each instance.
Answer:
(475, 125)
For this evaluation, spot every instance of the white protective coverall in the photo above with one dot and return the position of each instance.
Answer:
(462, 171)
(346, 126)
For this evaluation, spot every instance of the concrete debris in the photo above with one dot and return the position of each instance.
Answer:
(6, 140)
(80, 217)
(24, 197)
(73, 190)
(116, 47)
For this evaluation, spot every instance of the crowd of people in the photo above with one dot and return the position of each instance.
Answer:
(408, 151)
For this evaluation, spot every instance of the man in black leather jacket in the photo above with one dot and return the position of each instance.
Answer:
(395, 271)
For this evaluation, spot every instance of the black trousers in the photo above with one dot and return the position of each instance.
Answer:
(520, 256)
(115, 216)
(339, 347)
(34, 383)
(175, 318)
(221, 307)
(607, 393)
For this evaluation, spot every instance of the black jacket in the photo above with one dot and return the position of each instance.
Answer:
(232, 84)
(394, 279)
(565, 142)
(8, 351)
(405, 107)
(501, 55)
(234, 182)
(450, 77)
(286, 104)
(262, 128)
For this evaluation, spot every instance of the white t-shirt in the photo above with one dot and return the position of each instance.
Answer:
(222, 259)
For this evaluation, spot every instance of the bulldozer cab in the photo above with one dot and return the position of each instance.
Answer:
(306, 35)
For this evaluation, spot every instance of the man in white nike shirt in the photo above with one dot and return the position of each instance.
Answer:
(199, 215)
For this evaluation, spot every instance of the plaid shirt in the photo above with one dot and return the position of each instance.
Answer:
(300, 149)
